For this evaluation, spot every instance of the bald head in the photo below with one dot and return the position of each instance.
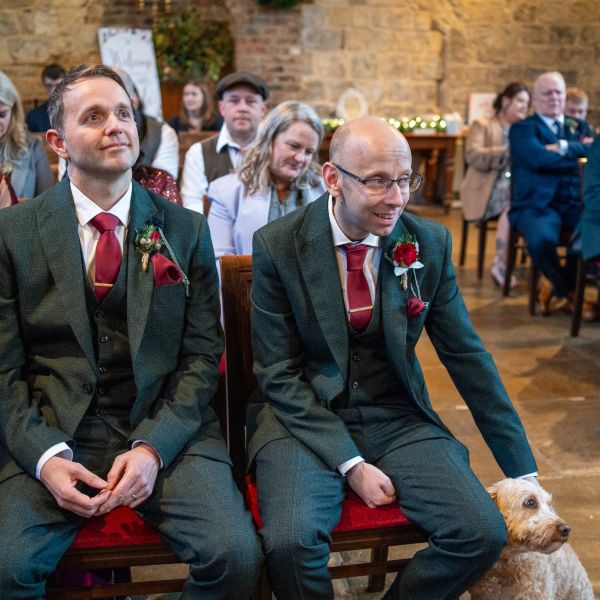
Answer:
(357, 140)
(548, 97)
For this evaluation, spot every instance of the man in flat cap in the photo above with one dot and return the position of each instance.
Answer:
(241, 97)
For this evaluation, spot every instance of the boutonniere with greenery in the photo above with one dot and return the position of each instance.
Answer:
(572, 126)
(405, 257)
(149, 239)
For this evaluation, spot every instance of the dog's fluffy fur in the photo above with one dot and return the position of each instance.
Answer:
(537, 563)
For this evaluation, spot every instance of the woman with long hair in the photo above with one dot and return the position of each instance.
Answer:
(196, 112)
(278, 175)
(485, 190)
(24, 168)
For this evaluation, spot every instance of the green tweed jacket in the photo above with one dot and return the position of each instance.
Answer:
(300, 338)
(47, 360)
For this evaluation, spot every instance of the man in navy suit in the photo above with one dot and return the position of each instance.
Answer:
(545, 149)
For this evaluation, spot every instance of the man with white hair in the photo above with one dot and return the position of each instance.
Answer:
(545, 198)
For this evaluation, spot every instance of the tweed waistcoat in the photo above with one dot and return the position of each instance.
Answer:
(216, 164)
(115, 385)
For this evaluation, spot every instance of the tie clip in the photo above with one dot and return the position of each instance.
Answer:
(353, 310)
(103, 284)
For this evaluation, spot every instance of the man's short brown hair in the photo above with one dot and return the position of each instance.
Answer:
(56, 111)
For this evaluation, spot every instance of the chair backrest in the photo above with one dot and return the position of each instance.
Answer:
(236, 288)
(187, 138)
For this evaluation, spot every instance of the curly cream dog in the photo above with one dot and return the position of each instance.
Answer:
(537, 563)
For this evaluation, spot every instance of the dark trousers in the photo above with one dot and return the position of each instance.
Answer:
(300, 503)
(195, 506)
(542, 229)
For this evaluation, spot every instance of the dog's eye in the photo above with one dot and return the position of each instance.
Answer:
(530, 503)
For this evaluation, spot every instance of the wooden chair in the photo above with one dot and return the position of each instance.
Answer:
(484, 227)
(187, 139)
(387, 526)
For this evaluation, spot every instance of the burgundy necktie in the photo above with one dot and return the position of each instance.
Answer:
(108, 254)
(357, 288)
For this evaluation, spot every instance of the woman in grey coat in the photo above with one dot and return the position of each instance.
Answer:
(23, 160)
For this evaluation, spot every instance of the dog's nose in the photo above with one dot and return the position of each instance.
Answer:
(564, 529)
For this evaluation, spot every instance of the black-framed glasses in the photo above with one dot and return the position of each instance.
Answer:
(381, 185)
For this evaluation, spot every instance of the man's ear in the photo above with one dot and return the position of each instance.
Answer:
(57, 143)
(332, 179)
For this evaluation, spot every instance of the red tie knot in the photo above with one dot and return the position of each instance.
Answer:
(104, 222)
(355, 256)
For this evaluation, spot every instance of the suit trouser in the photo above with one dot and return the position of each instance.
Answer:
(542, 229)
(195, 506)
(300, 503)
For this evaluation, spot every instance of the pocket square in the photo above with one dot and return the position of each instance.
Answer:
(165, 271)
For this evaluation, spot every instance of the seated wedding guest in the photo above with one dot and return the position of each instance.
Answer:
(24, 168)
(241, 97)
(545, 200)
(37, 118)
(195, 113)
(278, 175)
(576, 104)
(485, 190)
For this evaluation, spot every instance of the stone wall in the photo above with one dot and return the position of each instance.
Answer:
(406, 57)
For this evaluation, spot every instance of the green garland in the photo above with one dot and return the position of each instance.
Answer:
(406, 124)
(189, 47)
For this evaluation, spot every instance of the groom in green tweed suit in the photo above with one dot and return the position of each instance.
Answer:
(334, 343)
(105, 381)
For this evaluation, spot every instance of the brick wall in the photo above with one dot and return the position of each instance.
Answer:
(406, 57)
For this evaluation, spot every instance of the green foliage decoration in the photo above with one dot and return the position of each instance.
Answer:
(190, 47)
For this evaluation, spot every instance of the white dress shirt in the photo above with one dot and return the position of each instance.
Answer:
(194, 184)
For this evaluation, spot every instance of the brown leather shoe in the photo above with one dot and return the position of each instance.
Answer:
(545, 295)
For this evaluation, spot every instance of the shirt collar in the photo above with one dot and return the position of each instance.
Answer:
(86, 209)
(225, 139)
(551, 120)
(340, 238)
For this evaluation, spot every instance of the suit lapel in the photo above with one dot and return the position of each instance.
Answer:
(140, 283)
(319, 269)
(394, 301)
(57, 225)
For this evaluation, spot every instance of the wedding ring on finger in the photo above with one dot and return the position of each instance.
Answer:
(134, 497)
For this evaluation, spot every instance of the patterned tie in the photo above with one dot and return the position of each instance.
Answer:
(357, 288)
(108, 254)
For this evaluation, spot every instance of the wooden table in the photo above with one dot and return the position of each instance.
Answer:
(439, 167)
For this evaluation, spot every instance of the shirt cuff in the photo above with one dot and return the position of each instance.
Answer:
(61, 449)
(534, 474)
(137, 443)
(346, 466)
(563, 147)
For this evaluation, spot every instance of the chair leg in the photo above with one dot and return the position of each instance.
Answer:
(534, 276)
(463, 242)
(510, 260)
(377, 582)
(578, 298)
(481, 248)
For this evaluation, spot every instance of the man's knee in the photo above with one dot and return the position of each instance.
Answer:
(484, 538)
(20, 570)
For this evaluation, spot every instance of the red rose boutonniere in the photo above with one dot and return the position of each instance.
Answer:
(149, 239)
(405, 257)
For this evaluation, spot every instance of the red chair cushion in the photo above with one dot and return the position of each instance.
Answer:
(120, 527)
(356, 515)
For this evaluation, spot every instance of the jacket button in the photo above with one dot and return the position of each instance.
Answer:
(104, 338)
(100, 314)
(354, 384)
(355, 357)
(101, 391)
(102, 370)
(101, 412)
(88, 388)
(323, 403)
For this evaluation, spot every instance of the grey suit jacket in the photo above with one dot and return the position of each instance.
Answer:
(47, 359)
(300, 338)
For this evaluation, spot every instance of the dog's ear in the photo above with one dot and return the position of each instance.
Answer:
(493, 491)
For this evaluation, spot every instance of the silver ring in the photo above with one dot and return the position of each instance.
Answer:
(134, 496)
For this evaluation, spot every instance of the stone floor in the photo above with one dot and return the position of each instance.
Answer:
(554, 382)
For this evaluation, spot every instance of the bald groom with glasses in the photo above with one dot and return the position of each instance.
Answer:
(342, 290)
